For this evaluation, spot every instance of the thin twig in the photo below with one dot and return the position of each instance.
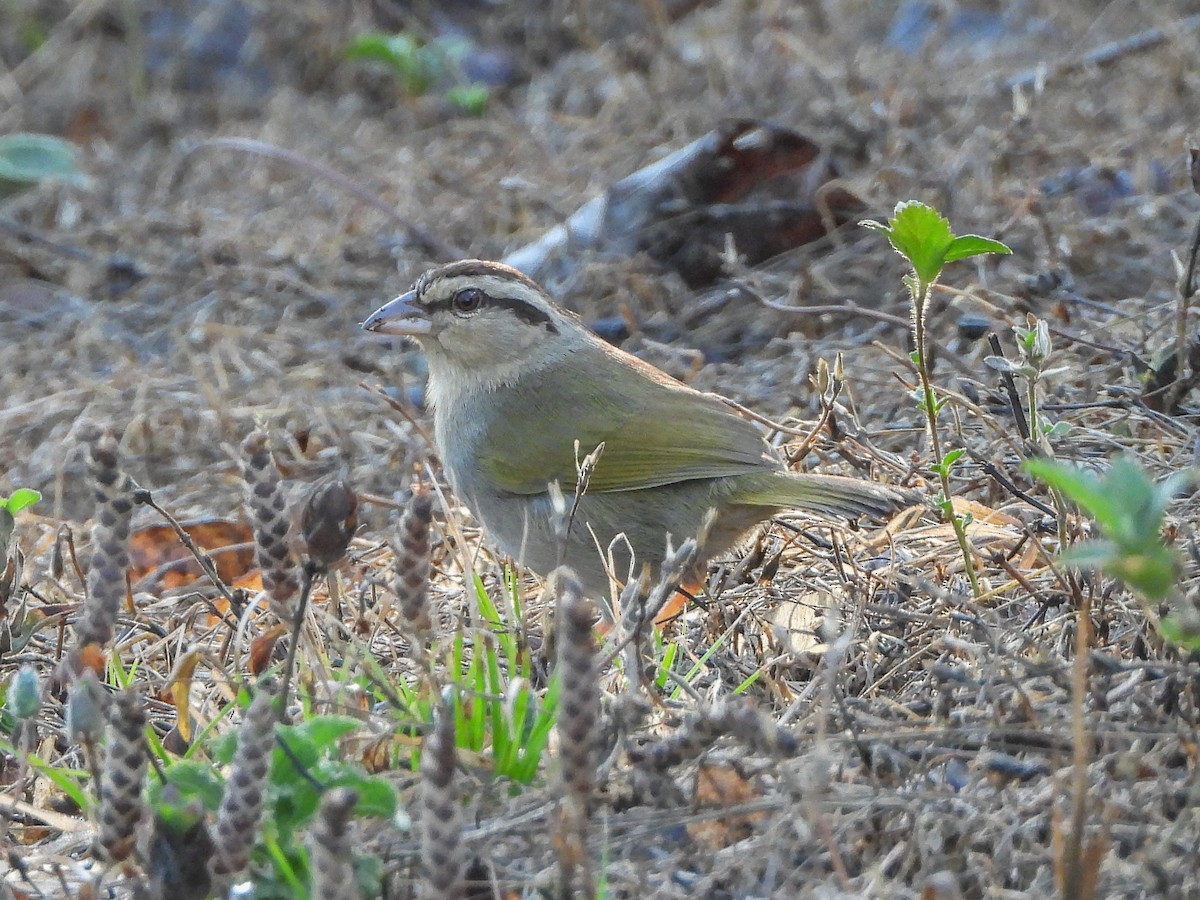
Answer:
(143, 496)
(1010, 388)
(308, 575)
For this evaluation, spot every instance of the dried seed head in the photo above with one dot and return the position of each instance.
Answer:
(113, 491)
(268, 508)
(242, 802)
(579, 693)
(412, 563)
(24, 693)
(328, 519)
(439, 813)
(121, 778)
(86, 705)
(728, 716)
(330, 848)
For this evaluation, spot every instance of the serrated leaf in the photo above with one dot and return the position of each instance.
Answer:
(967, 245)
(1090, 555)
(919, 234)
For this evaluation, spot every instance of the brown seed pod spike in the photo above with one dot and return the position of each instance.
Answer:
(113, 491)
(330, 848)
(121, 778)
(268, 508)
(579, 696)
(412, 563)
(439, 813)
(242, 802)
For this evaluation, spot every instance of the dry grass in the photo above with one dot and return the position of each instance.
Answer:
(934, 735)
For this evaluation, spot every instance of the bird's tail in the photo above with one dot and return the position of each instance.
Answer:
(828, 495)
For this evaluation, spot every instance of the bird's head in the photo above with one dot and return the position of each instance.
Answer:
(480, 317)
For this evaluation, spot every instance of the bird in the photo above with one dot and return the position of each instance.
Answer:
(521, 392)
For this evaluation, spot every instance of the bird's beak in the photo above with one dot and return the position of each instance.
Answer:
(403, 316)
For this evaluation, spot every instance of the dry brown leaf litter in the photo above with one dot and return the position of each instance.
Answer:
(935, 732)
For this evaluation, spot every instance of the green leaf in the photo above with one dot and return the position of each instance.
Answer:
(1079, 485)
(193, 779)
(470, 98)
(967, 245)
(323, 732)
(1091, 555)
(21, 498)
(1152, 573)
(919, 234)
(1177, 633)
(664, 666)
(416, 64)
(374, 46)
(923, 236)
(26, 159)
(539, 736)
(377, 798)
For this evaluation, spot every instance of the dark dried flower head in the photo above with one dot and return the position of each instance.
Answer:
(328, 520)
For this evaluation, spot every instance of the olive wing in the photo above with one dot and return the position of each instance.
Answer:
(655, 430)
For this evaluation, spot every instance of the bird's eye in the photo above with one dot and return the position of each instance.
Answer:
(468, 300)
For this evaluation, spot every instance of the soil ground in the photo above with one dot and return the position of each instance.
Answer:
(192, 290)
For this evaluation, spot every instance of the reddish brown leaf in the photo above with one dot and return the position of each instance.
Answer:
(156, 551)
(262, 648)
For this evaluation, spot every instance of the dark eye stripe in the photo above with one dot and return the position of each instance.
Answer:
(523, 310)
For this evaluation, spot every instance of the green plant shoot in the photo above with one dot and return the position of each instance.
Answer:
(924, 237)
(1129, 507)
